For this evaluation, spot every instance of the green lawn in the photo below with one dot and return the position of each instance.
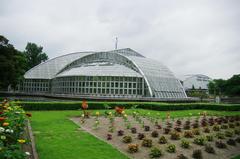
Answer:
(58, 138)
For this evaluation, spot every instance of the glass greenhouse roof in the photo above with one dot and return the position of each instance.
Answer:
(160, 80)
(100, 69)
(50, 68)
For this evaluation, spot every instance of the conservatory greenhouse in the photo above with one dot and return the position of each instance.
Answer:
(117, 73)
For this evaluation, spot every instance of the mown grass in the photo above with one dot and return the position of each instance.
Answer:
(59, 138)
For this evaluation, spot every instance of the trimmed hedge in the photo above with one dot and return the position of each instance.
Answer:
(127, 105)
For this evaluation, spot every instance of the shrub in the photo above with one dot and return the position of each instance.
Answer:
(209, 137)
(197, 154)
(162, 140)
(224, 126)
(228, 133)
(147, 142)
(237, 124)
(209, 149)
(178, 122)
(127, 139)
(109, 136)
(178, 129)
(196, 132)
(231, 142)
(127, 105)
(237, 131)
(155, 152)
(220, 144)
(171, 148)
(141, 136)
(132, 148)
(231, 125)
(188, 134)
(169, 125)
(220, 135)
(13, 120)
(158, 126)
(167, 130)
(204, 122)
(216, 128)
(206, 130)
(199, 140)
(146, 128)
(237, 139)
(195, 125)
(120, 133)
(181, 156)
(175, 136)
(134, 130)
(186, 125)
(185, 144)
(154, 134)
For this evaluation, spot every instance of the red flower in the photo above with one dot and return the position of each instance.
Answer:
(119, 110)
(28, 114)
(2, 118)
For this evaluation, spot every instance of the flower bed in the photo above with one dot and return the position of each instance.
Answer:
(12, 128)
(201, 138)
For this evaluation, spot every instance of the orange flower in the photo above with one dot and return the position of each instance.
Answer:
(5, 124)
(84, 104)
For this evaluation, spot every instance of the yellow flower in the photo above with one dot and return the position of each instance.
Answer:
(123, 112)
(97, 113)
(21, 141)
(5, 124)
(125, 115)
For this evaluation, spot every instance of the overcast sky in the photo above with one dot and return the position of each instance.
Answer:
(188, 36)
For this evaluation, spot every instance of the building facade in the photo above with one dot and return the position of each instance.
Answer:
(117, 73)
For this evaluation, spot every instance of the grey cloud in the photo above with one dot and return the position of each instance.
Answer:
(188, 36)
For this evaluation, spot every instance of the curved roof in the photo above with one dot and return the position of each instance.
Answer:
(160, 80)
(50, 68)
(100, 69)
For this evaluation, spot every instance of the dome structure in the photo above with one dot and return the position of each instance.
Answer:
(117, 73)
(196, 81)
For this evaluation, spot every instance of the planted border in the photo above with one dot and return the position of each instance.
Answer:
(127, 105)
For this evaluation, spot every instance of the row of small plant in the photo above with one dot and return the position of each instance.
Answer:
(171, 148)
(191, 129)
(12, 125)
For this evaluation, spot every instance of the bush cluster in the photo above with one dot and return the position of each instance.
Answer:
(162, 140)
(12, 127)
(127, 139)
(132, 148)
(127, 105)
(171, 148)
(199, 140)
(147, 142)
(155, 152)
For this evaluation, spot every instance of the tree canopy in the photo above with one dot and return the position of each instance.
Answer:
(229, 87)
(34, 55)
(12, 64)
